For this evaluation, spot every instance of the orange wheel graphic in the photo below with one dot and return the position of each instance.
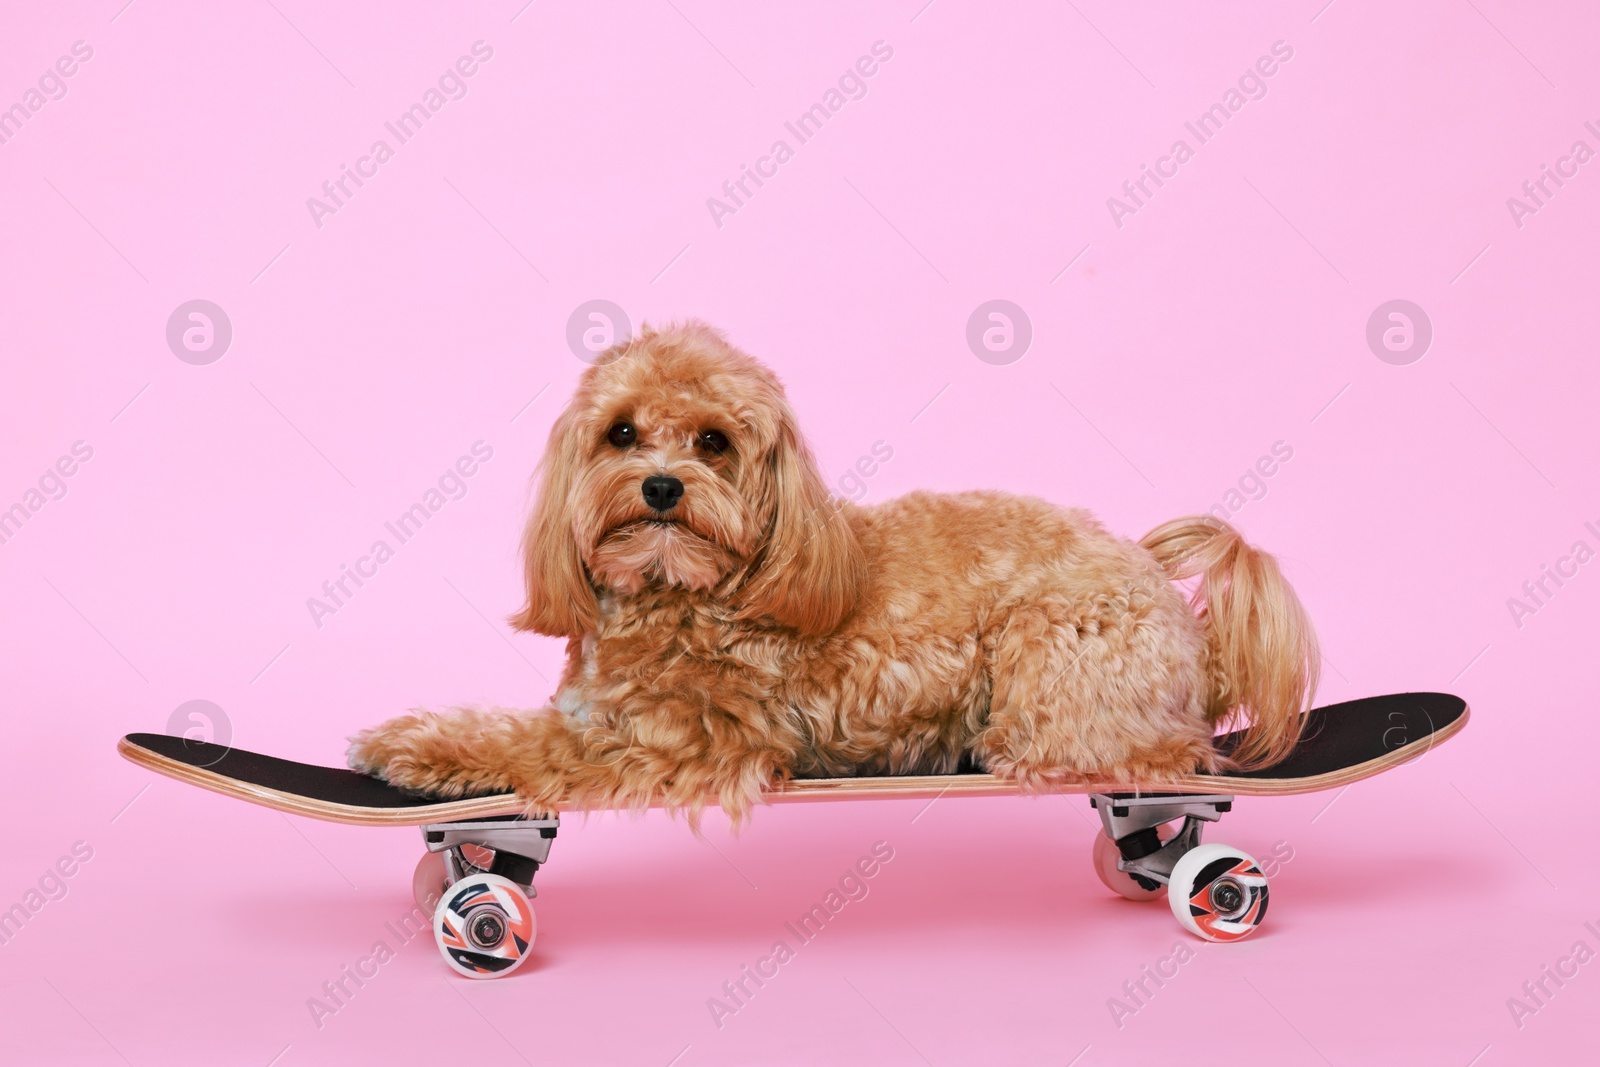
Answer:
(484, 926)
(1218, 892)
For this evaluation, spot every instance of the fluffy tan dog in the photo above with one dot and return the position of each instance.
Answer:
(730, 625)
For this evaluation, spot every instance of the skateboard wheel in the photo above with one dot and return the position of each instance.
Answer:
(484, 926)
(1218, 892)
(429, 881)
(1105, 855)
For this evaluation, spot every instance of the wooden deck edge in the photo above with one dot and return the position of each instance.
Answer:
(447, 811)
(927, 786)
(805, 790)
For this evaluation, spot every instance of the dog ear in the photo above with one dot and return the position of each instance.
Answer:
(811, 565)
(561, 600)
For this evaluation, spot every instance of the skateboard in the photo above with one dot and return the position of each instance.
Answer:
(476, 878)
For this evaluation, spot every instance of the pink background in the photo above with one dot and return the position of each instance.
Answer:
(1227, 314)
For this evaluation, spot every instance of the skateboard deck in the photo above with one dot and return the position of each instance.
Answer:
(1341, 743)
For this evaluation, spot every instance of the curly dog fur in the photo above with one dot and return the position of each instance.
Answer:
(755, 629)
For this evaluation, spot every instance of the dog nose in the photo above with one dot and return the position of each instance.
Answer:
(661, 492)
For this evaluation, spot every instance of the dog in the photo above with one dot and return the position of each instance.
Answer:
(730, 625)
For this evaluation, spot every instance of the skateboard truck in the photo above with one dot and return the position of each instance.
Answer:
(519, 846)
(476, 881)
(1133, 823)
(1214, 890)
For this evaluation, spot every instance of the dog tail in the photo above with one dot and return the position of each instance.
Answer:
(1261, 650)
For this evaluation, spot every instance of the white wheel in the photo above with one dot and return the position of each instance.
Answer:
(428, 881)
(1105, 855)
(1218, 892)
(484, 926)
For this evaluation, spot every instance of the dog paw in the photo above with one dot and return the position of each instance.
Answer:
(374, 751)
(442, 756)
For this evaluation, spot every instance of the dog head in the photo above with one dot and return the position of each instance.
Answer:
(679, 464)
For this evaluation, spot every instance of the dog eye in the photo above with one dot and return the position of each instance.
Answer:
(713, 441)
(622, 435)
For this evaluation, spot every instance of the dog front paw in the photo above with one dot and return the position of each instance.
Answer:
(438, 755)
(373, 751)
